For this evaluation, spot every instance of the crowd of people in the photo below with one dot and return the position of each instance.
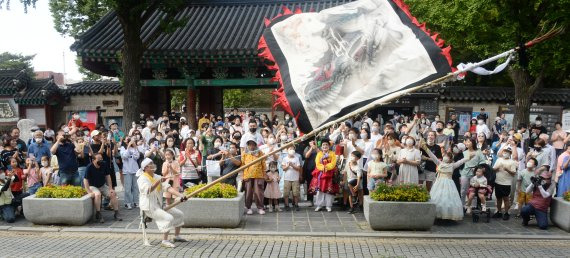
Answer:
(528, 164)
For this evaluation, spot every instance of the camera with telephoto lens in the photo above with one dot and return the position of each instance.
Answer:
(536, 180)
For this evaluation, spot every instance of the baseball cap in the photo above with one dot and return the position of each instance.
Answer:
(95, 133)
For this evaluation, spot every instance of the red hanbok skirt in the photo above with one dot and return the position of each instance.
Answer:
(323, 182)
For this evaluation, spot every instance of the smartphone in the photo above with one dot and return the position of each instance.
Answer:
(156, 144)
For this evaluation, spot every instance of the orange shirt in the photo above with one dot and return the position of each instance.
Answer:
(257, 170)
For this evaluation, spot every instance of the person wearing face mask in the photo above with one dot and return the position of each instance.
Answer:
(482, 128)
(457, 156)
(390, 151)
(539, 153)
(7, 178)
(375, 132)
(444, 192)
(409, 160)
(429, 170)
(97, 183)
(64, 150)
(39, 147)
(542, 189)
(151, 189)
(130, 155)
(505, 169)
(215, 154)
(147, 131)
(251, 134)
(469, 167)
(269, 146)
(524, 180)
(291, 165)
(170, 144)
(253, 176)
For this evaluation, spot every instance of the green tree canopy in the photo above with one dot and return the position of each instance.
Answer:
(10, 61)
(483, 28)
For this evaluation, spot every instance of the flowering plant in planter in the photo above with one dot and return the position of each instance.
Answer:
(400, 193)
(65, 192)
(220, 190)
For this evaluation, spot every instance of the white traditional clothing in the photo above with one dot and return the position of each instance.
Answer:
(151, 203)
(443, 193)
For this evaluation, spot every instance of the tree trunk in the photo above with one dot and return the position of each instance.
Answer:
(131, 65)
(525, 87)
(191, 108)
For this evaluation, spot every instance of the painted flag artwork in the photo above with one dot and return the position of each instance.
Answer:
(332, 62)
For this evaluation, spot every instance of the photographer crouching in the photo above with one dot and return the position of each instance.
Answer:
(542, 190)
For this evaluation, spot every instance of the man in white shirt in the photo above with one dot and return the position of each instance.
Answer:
(251, 134)
(291, 166)
(505, 169)
(147, 131)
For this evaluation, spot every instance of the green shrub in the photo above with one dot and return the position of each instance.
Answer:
(400, 193)
(220, 190)
(67, 191)
(567, 196)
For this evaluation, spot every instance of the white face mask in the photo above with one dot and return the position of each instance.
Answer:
(410, 142)
(75, 117)
(538, 122)
(283, 138)
(363, 136)
(217, 145)
(480, 122)
(271, 141)
(291, 152)
(455, 150)
(351, 137)
(44, 163)
(446, 159)
(375, 129)
(375, 156)
(3, 177)
(38, 140)
(529, 164)
(506, 155)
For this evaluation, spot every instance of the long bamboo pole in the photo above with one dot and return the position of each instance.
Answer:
(382, 101)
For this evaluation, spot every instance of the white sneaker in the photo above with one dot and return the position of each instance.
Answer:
(329, 209)
(278, 209)
(483, 207)
(129, 206)
(468, 210)
(271, 209)
(318, 209)
(167, 244)
(249, 212)
(261, 212)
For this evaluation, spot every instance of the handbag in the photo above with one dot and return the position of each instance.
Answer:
(213, 168)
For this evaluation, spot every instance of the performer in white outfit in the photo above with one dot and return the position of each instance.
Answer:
(151, 188)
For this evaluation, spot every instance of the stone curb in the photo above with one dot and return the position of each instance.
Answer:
(186, 231)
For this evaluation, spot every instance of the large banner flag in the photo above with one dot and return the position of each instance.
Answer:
(339, 59)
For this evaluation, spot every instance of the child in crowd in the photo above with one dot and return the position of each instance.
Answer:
(171, 169)
(524, 180)
(448, 130)
(291, 166)
(377, 170)
(478, 184)
(46, 171)
(272, 191)
(17, 187)
(353, 179)
(33, 174)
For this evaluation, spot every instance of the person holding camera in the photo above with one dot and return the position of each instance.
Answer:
(64, 150)
(7, 209)
(542, 190)
(130, 155)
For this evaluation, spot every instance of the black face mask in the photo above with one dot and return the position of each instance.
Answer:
(237, 137)
(253, 130)
(537, 148)
(100, 163)
(439, 130)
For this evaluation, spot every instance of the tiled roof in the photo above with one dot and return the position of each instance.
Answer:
(94, 87)
(7, 81)
(218, 27)
(502, 94)
(37, 93)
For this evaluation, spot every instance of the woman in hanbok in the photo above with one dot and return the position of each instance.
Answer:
(564, 179)
(151, 188)
(322, 183)
(444, 193)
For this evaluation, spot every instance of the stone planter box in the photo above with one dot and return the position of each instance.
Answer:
(48, 211)
(399, 215)
(213, 213)
(560, 213)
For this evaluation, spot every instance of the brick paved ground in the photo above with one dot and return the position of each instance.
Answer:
(307, 220)
(130, 245)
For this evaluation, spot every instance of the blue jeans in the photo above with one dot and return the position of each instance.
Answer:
(8, 213)
(541, 216)
(371, 184)
(34, 188)
(131, 189)
(81, 171)
(69, 178)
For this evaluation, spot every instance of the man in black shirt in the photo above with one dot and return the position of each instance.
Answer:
(456, 126)
(173, 119)
(430, 168)
(15, 134)
(98, 184)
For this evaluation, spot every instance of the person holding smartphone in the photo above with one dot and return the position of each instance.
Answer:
(130, 155)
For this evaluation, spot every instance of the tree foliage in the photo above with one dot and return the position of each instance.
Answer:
(25, 3)
(483, 28)
(247, 98)
(10, 61)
